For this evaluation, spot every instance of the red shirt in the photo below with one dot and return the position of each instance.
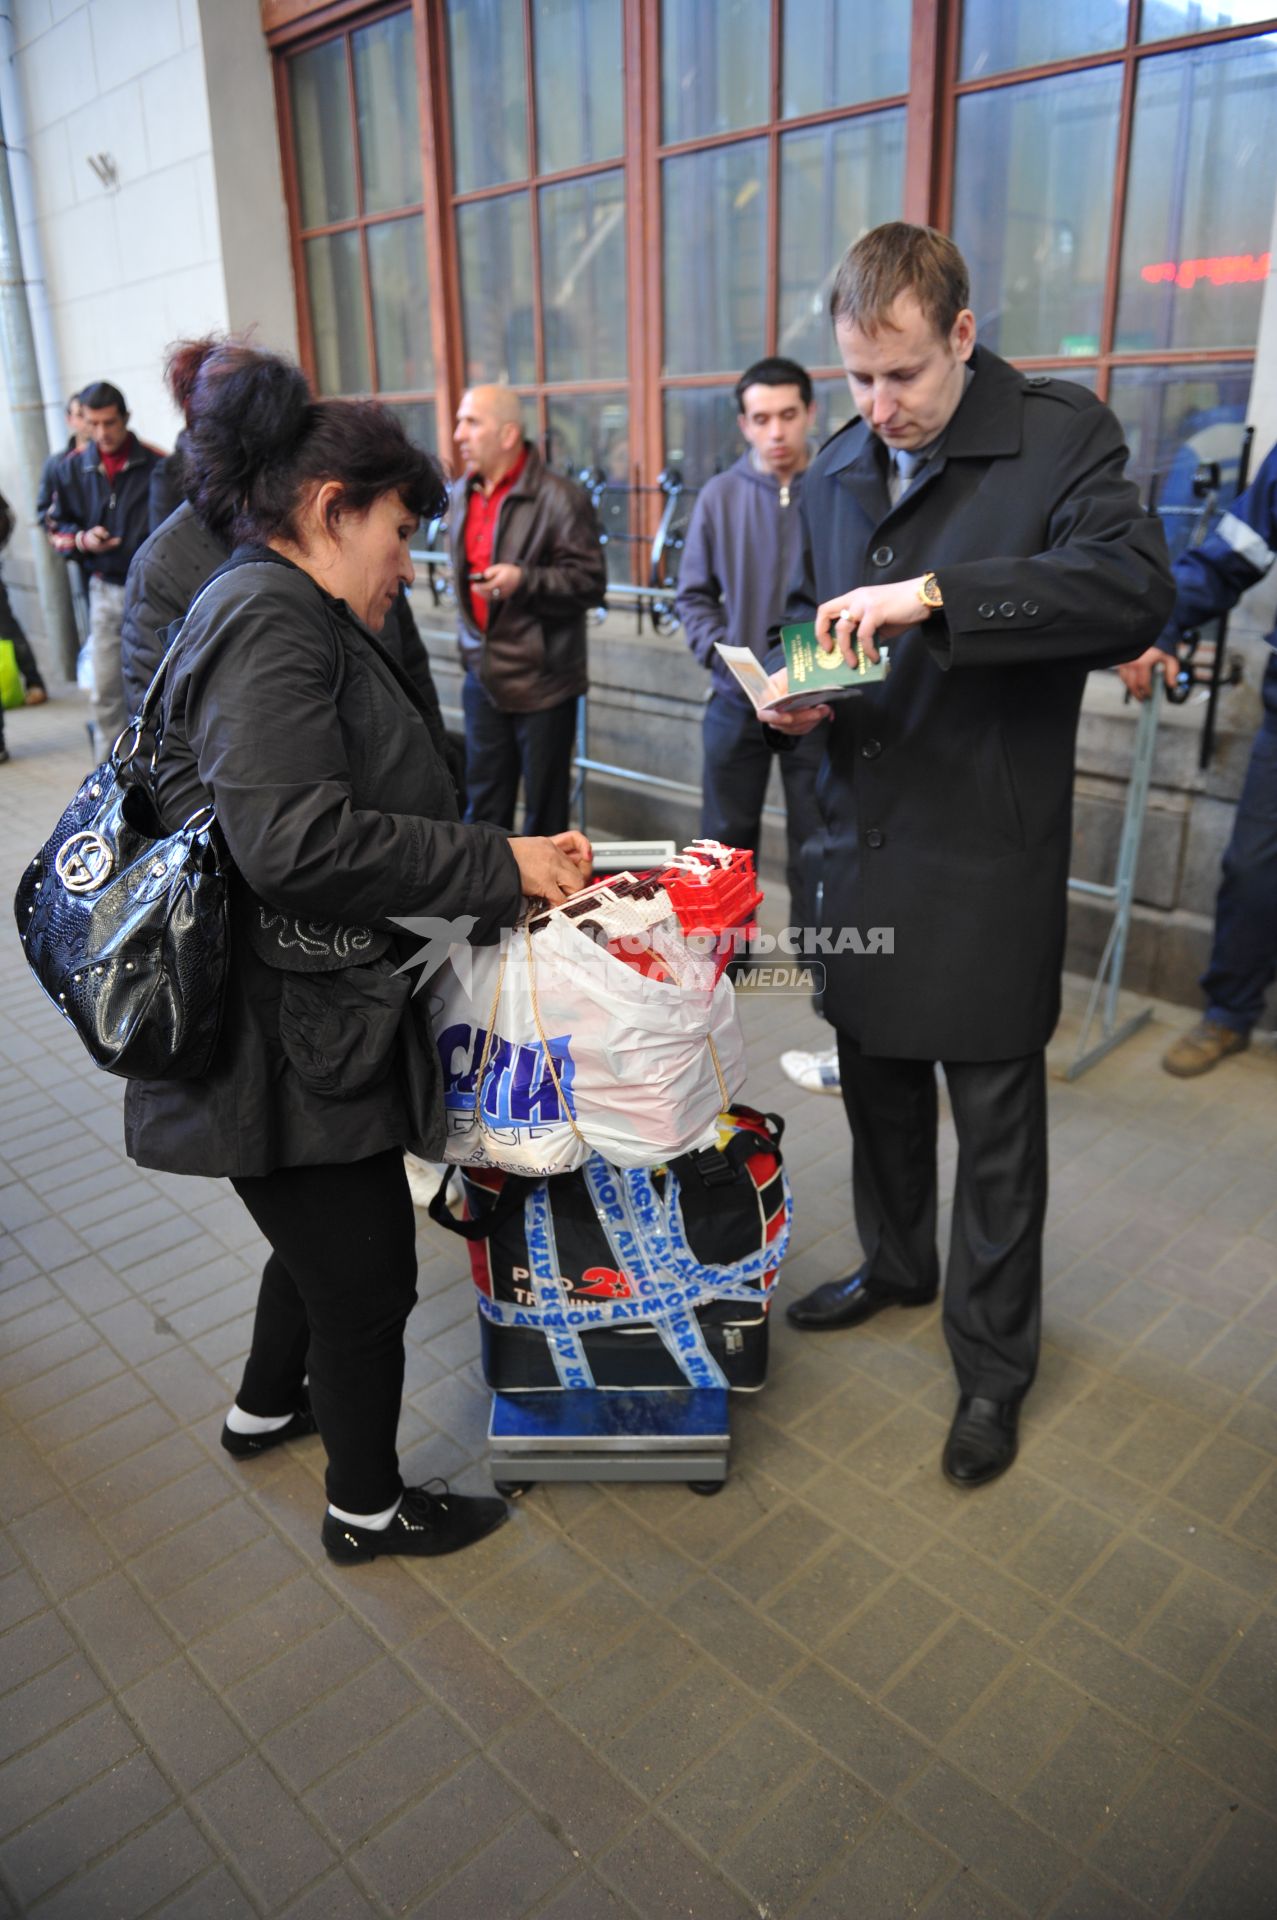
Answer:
(482, 511)
(115, 463)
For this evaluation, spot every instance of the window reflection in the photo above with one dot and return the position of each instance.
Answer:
(417, 418)
(702, 436)
(580, 116)
(583, 278)
(334, 281)
(840, 53)
(1174, 418)
(1033, 202)
(386, 103)
(489, 103)
(834, 408)
(1162, 19)
(998, 35)
(715, 62)
(1199, 213)
(400, 304)
(591, 432)
(715, 234)
(494, 245)
(320, 99)
(835, 184)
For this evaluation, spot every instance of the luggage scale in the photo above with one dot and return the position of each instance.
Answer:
(591, 1433)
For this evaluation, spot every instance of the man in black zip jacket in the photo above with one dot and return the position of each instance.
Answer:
(100, 513)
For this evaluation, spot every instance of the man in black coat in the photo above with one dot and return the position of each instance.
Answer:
(980, 521)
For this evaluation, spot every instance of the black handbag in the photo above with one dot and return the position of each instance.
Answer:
(125, 925)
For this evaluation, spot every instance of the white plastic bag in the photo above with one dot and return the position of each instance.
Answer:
(638, 1069)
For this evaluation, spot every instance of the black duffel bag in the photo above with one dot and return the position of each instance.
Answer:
(622, 1279)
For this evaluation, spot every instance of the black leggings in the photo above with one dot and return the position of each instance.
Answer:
(335, 1297)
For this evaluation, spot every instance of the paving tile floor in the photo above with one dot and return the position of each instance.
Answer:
(840, 1689)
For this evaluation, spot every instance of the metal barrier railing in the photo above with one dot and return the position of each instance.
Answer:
(1108, 975)
(1120, 892)
(654, 603)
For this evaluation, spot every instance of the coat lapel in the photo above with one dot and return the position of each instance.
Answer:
(860, 473)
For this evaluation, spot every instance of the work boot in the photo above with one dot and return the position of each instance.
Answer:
(1202, 1048)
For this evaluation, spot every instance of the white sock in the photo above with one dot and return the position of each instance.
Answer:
(374, 1522)
(240, 1422)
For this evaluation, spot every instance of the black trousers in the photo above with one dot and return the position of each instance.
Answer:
(335, 1297)
(736, 766)
(993, 1283)
(502, 746)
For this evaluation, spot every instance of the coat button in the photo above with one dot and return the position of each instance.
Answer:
(1007, 608)
(987, 610)
(1030, 607)
(871, 749)
(882, 556)
(875, 837)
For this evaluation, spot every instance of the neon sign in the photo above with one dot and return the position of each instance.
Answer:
(1221, 270)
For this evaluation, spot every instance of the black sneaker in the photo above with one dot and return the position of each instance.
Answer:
(426, 1523)
(245, 1445)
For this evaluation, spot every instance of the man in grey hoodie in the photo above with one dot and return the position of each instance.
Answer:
(744, 541)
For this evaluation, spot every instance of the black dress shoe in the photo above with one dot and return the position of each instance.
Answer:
(245, 1445)
(982, 1441)
(844, 1303)
(426, 1523)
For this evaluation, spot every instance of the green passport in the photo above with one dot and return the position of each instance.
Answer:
(820, 675)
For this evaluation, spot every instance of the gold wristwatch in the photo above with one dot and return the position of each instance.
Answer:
(929, 591)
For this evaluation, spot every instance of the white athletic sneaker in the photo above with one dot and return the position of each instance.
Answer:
(814, 1072)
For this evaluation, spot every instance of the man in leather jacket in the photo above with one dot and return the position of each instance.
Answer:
(528, 567)
(100, 514)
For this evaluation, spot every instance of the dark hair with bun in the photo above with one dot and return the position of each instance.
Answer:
(182, 365)
(259, 442)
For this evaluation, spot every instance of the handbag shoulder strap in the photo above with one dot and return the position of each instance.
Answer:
(150, 699)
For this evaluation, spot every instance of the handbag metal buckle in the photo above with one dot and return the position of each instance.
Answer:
(84, 863)
(135, 735)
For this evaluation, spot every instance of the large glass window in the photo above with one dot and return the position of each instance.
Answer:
(489, 107)
(1032, 209)
(356, 150)
(752, 229)
(702, 437)
(386, 110)
(628, 201)
(840, 53)
(998, 37)
(335, 282)
(319, 84)
(543, 265)
(494, 247)
(715, 62)
(580, 108)
(715, 224)
(836, 182)
(400, 304)
(1199, 204)
(1176, 419)
(1166, 19)
(583, 278)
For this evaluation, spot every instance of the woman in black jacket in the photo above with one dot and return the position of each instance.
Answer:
(284, 710)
